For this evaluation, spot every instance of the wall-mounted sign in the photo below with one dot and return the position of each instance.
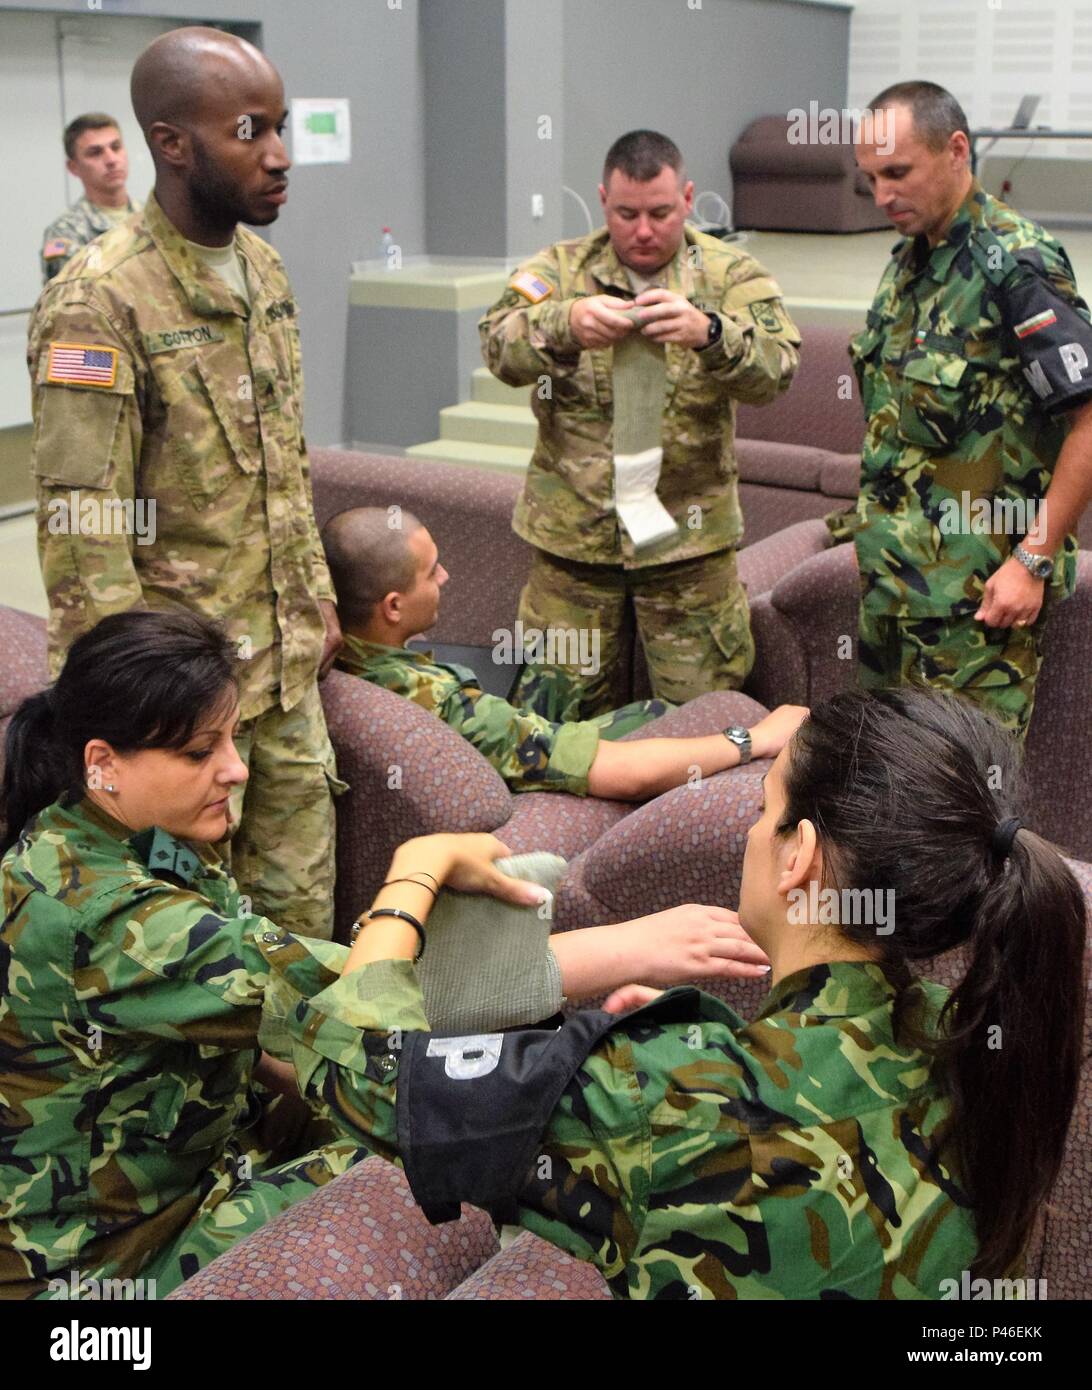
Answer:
(320, 130)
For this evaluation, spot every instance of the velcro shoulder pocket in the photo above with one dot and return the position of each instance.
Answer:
(75, 427)
(753, 291)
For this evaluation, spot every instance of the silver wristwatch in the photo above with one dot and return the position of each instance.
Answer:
(1038, 565)
(741, 737)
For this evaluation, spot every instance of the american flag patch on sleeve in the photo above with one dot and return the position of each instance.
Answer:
(77, 364)
(531, 287)
(57, 247)
(1032, 325)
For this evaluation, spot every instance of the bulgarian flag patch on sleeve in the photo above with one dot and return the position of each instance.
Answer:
(1037, 321)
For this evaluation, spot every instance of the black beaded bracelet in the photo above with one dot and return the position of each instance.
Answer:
(410, 880)
(402, 916)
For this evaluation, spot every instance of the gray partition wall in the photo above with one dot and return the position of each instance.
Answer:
(698, 73)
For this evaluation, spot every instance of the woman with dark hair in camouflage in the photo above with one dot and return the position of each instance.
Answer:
(138, 1136)
(845, 1142)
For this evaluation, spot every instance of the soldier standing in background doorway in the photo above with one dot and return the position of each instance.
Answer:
(96, 155)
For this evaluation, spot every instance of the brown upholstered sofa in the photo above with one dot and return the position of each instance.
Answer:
(362, 1237)
(807, 187)
(800, 457)
(803, 604)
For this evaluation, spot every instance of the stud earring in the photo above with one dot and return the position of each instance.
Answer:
(109, 787)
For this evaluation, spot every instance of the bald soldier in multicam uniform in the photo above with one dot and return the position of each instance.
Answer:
(973, 478)
(570, 315)
(96, 155)
(166, 368)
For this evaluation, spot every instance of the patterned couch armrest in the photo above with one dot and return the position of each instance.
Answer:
(763, 564)
(408, 773)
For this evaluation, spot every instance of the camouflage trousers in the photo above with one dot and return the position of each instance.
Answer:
(287, 1156)
(995, 667)
(692, 618)
(551, 692)
(282, 853)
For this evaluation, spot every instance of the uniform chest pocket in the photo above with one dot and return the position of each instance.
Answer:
(933, 404)
(865, 358)
(212, 430)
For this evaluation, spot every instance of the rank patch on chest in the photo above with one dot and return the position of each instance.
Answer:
(1037, 321)
(531, 287)
(283, 309)
(82, 364)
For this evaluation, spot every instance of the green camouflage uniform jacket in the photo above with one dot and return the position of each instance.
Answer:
(132, 990)
(73, 229)
(154, 382)
(531, 753)
(567, 505)
(959, 408)
(790, 1157)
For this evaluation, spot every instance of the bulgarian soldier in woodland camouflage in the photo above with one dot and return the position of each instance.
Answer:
(165, 363)
(388, 581)
(844, 1144)
(975, 369)
(97, 156)
(638, 341)
(141, 1130)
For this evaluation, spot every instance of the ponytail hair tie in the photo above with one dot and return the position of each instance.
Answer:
(1003, 835)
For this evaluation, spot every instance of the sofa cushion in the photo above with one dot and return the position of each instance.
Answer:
(819, 600)
(776, 157)
(531, 1268)
(841, 475)
(362, 1237)
(763, 564)
(409, 774)
(467, 510)
(822, 407)
(24, 670)
(773, 462)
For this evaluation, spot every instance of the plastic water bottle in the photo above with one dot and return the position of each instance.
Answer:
(387, 243)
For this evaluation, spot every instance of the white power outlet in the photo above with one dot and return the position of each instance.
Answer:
(538, 205)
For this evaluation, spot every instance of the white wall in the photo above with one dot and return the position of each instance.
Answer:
(988, 53)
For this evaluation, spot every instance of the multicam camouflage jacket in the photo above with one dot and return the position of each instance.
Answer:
(567, 504)
(75, 228)
(530, 752)
(970, 353)
(704, 1157)
(153, 381)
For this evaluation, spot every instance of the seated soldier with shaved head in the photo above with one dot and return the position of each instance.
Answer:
(388, 580)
